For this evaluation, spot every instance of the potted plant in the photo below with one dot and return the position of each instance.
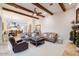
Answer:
(77, 38)
(77, 41)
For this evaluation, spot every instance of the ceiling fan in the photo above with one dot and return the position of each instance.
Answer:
(36, 12)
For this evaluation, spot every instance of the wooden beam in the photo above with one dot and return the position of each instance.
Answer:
(23, 8)
(43, 8)
(19, 12)
(62, 6)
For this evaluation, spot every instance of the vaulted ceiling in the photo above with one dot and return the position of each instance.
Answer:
(46, 9)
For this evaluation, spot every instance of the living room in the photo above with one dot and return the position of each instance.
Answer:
(44, 27)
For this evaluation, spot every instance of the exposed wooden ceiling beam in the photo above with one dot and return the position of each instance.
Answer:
(43, 8)
(23, 8)
(62, 6)
(19, 12)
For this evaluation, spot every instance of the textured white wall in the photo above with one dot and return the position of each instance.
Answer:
(0, 25)
(19, 19)
(60, 23)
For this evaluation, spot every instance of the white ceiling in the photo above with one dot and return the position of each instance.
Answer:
(16, 9)
(54, 8)
(70, 6)
(31, 7)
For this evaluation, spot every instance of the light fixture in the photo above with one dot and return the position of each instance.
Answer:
(70, 3)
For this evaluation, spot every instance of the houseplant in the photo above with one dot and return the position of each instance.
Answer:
(77, 39)
(77, 43)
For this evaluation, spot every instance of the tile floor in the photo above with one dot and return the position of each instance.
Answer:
(47, 49)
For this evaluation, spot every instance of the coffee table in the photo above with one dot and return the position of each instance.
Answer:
(37, 42)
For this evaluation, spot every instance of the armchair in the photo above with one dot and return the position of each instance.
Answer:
(18, 46)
